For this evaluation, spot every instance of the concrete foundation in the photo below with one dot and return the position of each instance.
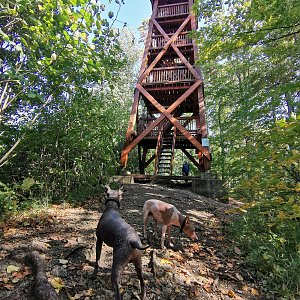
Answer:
(210, 187)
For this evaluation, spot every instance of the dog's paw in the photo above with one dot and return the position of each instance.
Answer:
(94, 276)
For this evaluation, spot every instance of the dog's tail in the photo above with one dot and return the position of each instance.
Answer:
(138, 245)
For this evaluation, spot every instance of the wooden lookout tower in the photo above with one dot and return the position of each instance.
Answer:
(168, 111)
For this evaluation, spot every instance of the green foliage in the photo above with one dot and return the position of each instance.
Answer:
(66, 88)
(249, 52)
(16, 197)
(271, 248)
(48, 51)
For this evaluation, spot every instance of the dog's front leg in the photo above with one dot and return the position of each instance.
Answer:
(99, 244)
(163, 235)
(169, 235)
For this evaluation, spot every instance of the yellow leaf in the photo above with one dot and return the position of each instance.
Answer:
(177, 290)
(207, 288)
(281, 215)
(57, 283)
(166, 261)
(11, 269)
(254, 291)
(231, 294)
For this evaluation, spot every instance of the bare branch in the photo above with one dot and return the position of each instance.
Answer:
(3, 160)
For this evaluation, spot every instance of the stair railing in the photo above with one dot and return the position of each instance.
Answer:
(173, 148)
(158, 148)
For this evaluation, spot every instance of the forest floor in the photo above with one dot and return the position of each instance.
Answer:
(211, 268)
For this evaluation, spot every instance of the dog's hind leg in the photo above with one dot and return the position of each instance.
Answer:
(99, 244)
(138, 267)
(118, 266)
(145, 219)
(154, 227)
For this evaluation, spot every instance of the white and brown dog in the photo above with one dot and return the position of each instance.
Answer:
(167, 215)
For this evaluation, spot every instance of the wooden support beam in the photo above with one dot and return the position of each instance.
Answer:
(165, 48)
(174, 121)
(151, 126)
(191, 158)
(150, 160)
(131, 124)
(148, 40)
(178, 52)
(201, 102)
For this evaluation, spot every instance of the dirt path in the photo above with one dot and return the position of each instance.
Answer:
(207, 269)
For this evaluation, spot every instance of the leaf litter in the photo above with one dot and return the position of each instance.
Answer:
(65, 237)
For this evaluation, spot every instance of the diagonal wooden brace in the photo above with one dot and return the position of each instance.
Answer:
(165, 48)
(174, 121)
(151, 126)
(180, 55)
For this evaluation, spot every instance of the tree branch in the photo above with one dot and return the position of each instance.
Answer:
(8, 153)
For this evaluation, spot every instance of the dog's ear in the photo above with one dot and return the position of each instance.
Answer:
(187, 219)
(107, 188)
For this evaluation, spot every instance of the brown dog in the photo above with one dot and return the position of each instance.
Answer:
(167, 215)
(116, 233)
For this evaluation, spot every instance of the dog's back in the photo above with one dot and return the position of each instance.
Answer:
(115, 231)
(161, 211)
(168, 215)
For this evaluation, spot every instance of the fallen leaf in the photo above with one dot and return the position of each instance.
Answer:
(40, 246)
(9, 286)
(3, 254)
(11, 269)
(254, 291)
(239, 277)
(237, 250)
(4, 280)
(88, 269)
(18, 275)
(63, 261)
(15, 280)
(245, 288)
(57, 283)
(194, 292)
(231, 293)
(165, 261)
(207, 288)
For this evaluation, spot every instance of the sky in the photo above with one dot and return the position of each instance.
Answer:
(133, 12)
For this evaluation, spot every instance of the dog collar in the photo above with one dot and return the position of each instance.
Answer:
(183, 224)
(112, 199)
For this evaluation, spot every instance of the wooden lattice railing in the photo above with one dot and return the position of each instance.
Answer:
(183, 39)
(169, 75)
(188, 122)
(172, 10)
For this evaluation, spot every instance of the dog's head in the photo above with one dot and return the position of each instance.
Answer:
(188, 228)
(116, 194)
